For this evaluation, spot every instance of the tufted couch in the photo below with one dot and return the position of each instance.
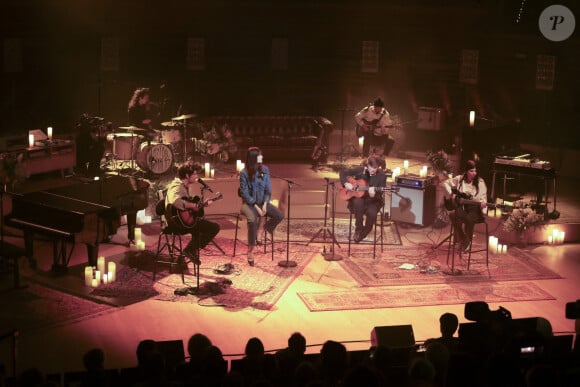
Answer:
(279, 137)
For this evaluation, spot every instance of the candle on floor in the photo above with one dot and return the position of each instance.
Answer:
(471, 118)
(31, 140)
(88, 275)
(550, 239)
(49, 132)
(561, 237)
(212, 173)
(140, 245)
(94, 283)
(405, 164)
(112, 271)
(361, 141)
(206, 167)
(105, 279)
(138, 233)
(101, 264)
(98, 276)
(238, 166)
(504, 249)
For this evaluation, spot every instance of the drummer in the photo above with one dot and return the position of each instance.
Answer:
(142, 112)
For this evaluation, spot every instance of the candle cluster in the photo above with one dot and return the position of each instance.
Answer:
(495, 247)
(96, 275)
(139, 242)
(557, 237)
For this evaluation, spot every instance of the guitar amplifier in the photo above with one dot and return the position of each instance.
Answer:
(414, 181)
(430, 118)
(413, 205)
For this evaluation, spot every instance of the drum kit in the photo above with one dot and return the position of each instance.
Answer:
(151, 150)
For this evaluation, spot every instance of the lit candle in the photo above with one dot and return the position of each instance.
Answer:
(498, 212)
(49, 132)
(405, 164)
(88, 275)
(561, 236)
(206, 169)
(238, 166)
(212, 173)
(504, 249)
(550, 239)
(105, 279)
(98, 276)
(94, 283)
(140, 245)
(361, 141)
(499, 248)
(101, 264)
(112, 271)
(31, 140)
(138, 233)
(471, 118)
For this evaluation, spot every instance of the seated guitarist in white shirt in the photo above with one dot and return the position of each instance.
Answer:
(365, 207)
(466, 186)
(373, 122)
(179, 192)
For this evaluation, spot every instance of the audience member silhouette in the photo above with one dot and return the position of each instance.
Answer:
(333, 362)
(94, 363)
(448, 323)
(289, 358)
(256, 366)
(196, 348)
(421, 372)
(438, 355)
(362, 375)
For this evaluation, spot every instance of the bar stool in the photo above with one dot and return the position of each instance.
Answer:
(452, 242)
(267, 239)
(379, 224)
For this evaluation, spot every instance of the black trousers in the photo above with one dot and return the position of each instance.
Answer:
(464, 219)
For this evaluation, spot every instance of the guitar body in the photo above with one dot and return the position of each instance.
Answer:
(188, 218)
(361, 186)
(369, 127)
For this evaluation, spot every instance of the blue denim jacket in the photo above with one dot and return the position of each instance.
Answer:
(257, 191)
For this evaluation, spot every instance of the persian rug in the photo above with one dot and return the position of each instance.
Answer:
(420, 265)
(312, 230)
(426, 295)
(223, 280)
(37, 307)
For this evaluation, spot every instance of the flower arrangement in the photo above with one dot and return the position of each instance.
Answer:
(439, 162)
(522, 219)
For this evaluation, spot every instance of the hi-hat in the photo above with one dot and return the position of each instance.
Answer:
(184, 117)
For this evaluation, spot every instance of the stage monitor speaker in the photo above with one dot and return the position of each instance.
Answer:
(413, 205)
(430, 118)
(395, 336)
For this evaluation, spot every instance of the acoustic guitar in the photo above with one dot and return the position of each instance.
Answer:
(462, 198)
(359, 189)
(188, 218)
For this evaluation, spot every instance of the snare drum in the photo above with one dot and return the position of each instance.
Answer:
(170, 136)
(155, 157)
(125, 145)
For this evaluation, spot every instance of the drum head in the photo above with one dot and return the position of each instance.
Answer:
(159, 158)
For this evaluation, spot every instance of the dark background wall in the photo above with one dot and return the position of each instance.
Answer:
(61, 77)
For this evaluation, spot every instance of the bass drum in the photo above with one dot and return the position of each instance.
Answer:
(155, 157)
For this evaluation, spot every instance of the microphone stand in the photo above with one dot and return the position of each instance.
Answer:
(332, 256)
(287, 263)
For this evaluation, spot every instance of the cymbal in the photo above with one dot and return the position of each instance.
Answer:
(170, 124)
(184, 117)
(133, 129)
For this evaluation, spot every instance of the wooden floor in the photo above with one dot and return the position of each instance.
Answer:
(118, 333)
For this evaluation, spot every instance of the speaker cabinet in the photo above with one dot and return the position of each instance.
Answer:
(430, 118)
(413, 205)
(395, 336)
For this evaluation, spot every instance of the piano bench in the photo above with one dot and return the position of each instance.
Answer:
(10, 254)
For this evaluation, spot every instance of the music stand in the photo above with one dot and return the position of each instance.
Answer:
(287, 263)
(324, 230)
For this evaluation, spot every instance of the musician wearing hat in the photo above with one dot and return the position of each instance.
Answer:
(373, 123)
(468, 186)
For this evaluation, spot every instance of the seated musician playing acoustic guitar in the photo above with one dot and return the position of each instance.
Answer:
(185, 213)
(373, 122)
(466, 186)
(363, 188)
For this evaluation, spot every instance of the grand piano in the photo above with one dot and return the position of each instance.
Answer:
(85, 212)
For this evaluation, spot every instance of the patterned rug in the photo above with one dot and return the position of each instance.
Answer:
(223, 281)
(444, 294)
(38, 307)
(419, 265)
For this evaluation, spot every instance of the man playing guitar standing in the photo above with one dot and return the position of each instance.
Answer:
(367, 205)
(178, 200)
(373, 122)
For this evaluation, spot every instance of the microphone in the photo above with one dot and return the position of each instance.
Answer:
(205, 186)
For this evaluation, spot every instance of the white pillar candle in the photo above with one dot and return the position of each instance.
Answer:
(31, 140)
(49, 132)
(88, 275)
(94, 283)
(105, 279)
(212, 173)
(361, 141)
(98, 276)
(112, 271)
(498, 212)
(550, 239)
(499, 248)
(405, 164)
(101, 264)
(140, 245)
(562, 236)
(238, 166)
(472, 118)
(207, 167)
(138, 233)
(504, 249)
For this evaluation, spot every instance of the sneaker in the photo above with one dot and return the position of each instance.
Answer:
(357, 237)
(251, 259)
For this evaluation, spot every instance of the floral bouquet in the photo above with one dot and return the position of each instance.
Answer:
(439, 161)
(522, 219)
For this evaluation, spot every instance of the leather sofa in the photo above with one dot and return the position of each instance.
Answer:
(296, 138)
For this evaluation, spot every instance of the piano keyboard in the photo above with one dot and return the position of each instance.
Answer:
(526, 163)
